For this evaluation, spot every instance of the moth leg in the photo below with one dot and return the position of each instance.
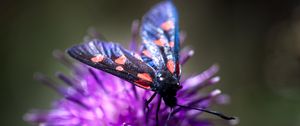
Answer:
(169, 116)
(149, 100)
(157, 110)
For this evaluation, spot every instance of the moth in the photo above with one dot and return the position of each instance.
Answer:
(156, 68)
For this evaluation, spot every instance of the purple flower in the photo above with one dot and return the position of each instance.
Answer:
(96, 98)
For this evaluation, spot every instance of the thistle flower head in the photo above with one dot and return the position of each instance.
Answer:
(96, 98)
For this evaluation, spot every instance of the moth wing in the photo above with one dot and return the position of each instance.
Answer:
(112, 58)
(160, 37)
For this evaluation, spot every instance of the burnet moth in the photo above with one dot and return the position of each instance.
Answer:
(156, 67)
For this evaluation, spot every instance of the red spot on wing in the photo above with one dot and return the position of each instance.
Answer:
(168, 25)
(121, 60)
(171, 44)
(119, 68)
(144, 76)
(171, 66)
(159, 42)
(98, 58)
(147, 53)
(142, 84)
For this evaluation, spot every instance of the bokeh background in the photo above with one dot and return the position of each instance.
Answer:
(256, 43)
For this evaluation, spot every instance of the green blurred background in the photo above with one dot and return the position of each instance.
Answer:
(256, 43)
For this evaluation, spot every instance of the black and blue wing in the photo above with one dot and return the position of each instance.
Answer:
(160, 37)
(112, 58)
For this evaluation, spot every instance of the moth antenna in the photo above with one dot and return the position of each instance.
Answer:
(221, 115)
